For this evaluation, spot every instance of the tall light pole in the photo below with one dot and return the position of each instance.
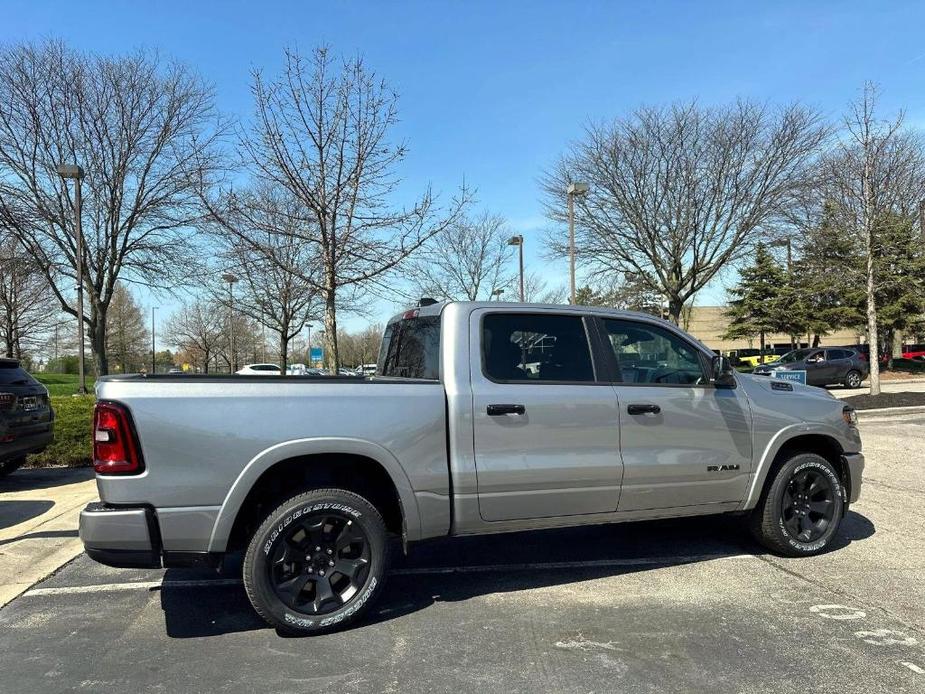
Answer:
(153, 342)
(573, 190)
(73, 171)
(231, 279)
(497, 293)
(519, 242)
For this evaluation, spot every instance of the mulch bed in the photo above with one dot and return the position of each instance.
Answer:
(870, 402)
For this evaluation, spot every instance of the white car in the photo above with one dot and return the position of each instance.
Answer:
(259, 370)
(297, 369)
(367, 370)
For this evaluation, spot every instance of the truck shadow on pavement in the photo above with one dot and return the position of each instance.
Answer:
(16, 511)
(462, 568)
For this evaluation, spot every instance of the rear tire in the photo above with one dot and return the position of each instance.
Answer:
(317, 562)
(800, 511)
(853, 379)
(11, 465)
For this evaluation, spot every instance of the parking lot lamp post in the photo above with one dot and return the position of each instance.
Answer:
(785, 243)
(73, 171)
(572, 190)
(231, 279)
(519, 242)
(497, 293)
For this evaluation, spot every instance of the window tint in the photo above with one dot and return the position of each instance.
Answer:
(12, 373)
(838, 354)
(411, 349)
(535, 347)
(648, 354)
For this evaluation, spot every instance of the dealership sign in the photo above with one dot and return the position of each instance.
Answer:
(789, 375)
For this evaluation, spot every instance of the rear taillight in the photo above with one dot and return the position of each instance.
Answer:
(115, 451)
(7, 400)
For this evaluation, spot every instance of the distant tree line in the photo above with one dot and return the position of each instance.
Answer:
(297, 205)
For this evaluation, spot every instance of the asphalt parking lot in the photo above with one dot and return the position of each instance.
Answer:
(687, 605)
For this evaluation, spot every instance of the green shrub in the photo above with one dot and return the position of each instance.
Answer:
(72, 445)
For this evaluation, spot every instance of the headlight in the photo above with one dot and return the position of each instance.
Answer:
(849, 415)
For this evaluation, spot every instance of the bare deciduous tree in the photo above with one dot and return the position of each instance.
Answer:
(260, 244)
(466, 261)
(138, 127)
(321, 133)
(676, 193)
(26, 305)
(876, 172)
(199, 330)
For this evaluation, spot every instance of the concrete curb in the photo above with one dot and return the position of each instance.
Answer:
(911, 409)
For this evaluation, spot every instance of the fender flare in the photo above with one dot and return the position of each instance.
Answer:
(777, 442)
(263, 461)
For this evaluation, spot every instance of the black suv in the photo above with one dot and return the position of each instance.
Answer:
(26, 417)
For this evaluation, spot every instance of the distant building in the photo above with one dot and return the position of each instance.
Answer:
(708, 323)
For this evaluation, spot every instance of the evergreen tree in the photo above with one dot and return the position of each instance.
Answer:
(128, 341)
(759, 303)
(899, 267)
(827, 282)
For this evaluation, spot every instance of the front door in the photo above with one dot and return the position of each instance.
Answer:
(684, 442)
(546, 431)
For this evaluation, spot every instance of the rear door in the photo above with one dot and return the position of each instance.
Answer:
(546, 429)
(838, 364)
(684, 442)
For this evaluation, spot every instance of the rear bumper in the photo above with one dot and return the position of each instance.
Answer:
(120, 537)
(855, 463)
(32, 443)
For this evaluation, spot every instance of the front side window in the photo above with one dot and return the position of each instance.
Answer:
(650, 355)
(411, 349)
(535, 347)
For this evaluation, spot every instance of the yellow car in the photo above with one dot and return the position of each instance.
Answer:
(751, 357)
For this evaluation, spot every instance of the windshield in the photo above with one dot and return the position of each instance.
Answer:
(796, 355)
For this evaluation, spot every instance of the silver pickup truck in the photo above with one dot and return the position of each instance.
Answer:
(483, 418)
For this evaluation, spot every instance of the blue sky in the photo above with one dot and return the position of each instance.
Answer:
(492, 92)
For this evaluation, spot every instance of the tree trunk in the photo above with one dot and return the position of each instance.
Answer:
(98, 344)
(872, 321)
(331, 358)
(761, 347)
(675, 307)
(283, 351)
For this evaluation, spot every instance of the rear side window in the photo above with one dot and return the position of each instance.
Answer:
(12, 373)
(411, 349)
(838, 354)
(532, 347)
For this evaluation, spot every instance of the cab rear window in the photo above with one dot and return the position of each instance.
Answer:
(411, 349)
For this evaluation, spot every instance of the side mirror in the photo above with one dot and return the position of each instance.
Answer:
(723, 373)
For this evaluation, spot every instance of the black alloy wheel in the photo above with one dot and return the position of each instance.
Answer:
(808, 505)
(317, 562)
(321, 563)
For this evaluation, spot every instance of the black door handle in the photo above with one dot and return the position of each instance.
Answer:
(496, 410)
(643, 409)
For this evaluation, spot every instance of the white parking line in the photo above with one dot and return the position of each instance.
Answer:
(438, 570)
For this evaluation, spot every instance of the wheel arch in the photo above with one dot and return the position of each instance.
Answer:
(354, 464)
(789, 442)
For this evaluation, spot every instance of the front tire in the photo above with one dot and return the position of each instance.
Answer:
(317, 562)
(800, 511)
(853, 379)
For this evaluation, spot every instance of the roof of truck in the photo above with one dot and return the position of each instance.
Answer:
(437, 308)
